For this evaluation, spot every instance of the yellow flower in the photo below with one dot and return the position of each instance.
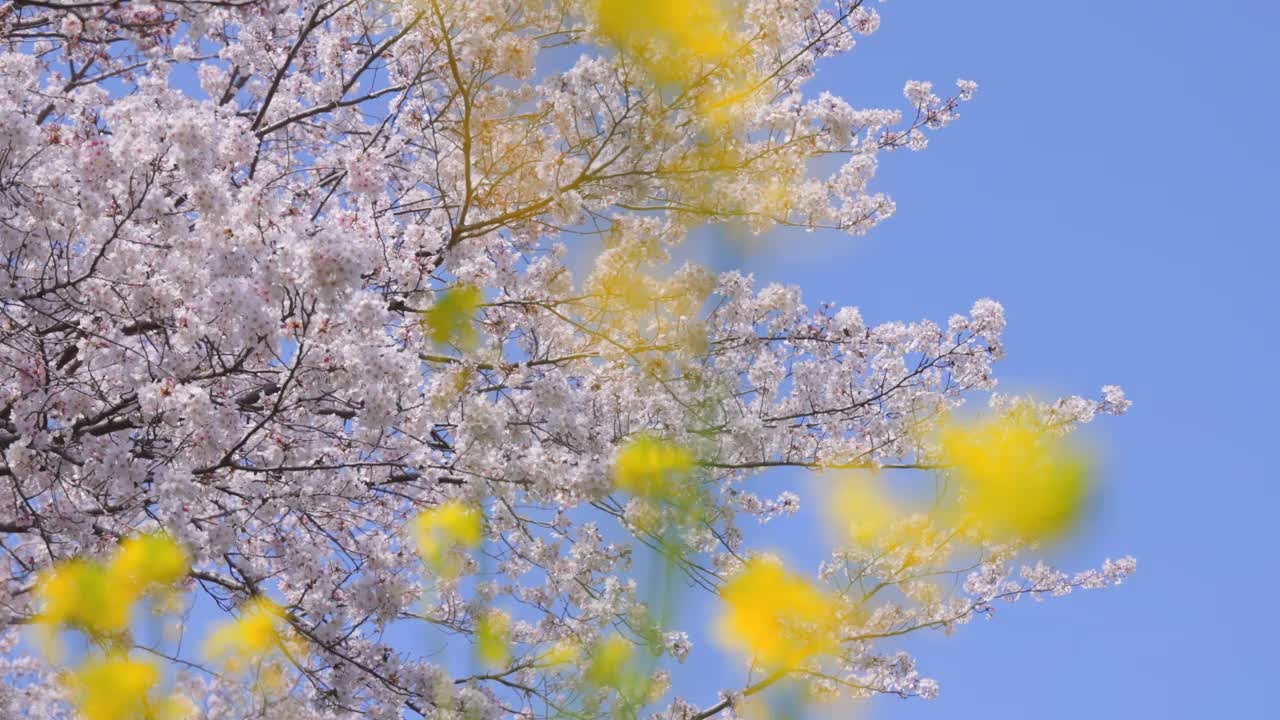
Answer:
(720, 106)
(666, 36)
(493, 639)
(443, 528)
(98, 598)
(775, 617)
(252, 636)
(652, 468)
(80, 594)
(609, 659)
(563, 653)
(148, 561)
(861, 511)
(449, 320)
(118, 688)
(1017, 481)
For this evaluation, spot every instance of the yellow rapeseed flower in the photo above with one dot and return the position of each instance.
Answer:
(98, 597)
(251, 637)
(1017, 481)
(860, 511)
(449, 320)
(148, 561)
(609, 659)
(493, 639)
(563, 653)
(652, 468)
(443, 528)
(665, 35)
(116, 687)
(79, 594)
(775, 617)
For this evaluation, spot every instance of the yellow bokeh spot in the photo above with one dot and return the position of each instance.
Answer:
(861, 511)
(116, 687)
(609, 660)
(563, 653)
(493, 639)
(635, 291)
(652, 468)
(98, 597)
(443, 528)
(668, 36)
(252, 636)
(1016, 480)
(449, 320)
(753, 708)
(775, 617)
(80, 594)
(145, 561)
(719, 109)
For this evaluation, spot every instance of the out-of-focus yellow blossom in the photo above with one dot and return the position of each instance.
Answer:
(860, 511)
(445, 527)
(493, 639)
(652, 468)
(667, 36)
(636, 291)
(80, 594)
(1017, 481)
(149, 562)
(753, 708)
(449, 320)
(251, 637)
(116, 687)
(609, 659)
(775, 617)
(270, 678)
(98, 597)
(720, 107)
(563, 653)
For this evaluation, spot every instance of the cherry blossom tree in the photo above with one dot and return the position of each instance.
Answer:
(287, 282)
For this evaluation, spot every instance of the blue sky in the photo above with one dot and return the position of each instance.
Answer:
(1113, 185)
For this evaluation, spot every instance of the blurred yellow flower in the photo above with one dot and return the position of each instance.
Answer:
(449, 320)
(608, 663)
(80, 594)
(652, 468)
(1016, 480)
(147, 561)
(635, 292)
(665, 36)
(493, 639)
(563, 653)
(251, 637)
(719, 108)
(116, 687)
(98, 597)
(445, 527)
(775, 617)
(753, 708)
(860, 511)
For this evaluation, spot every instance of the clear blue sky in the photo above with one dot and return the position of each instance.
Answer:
(1114, 185)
